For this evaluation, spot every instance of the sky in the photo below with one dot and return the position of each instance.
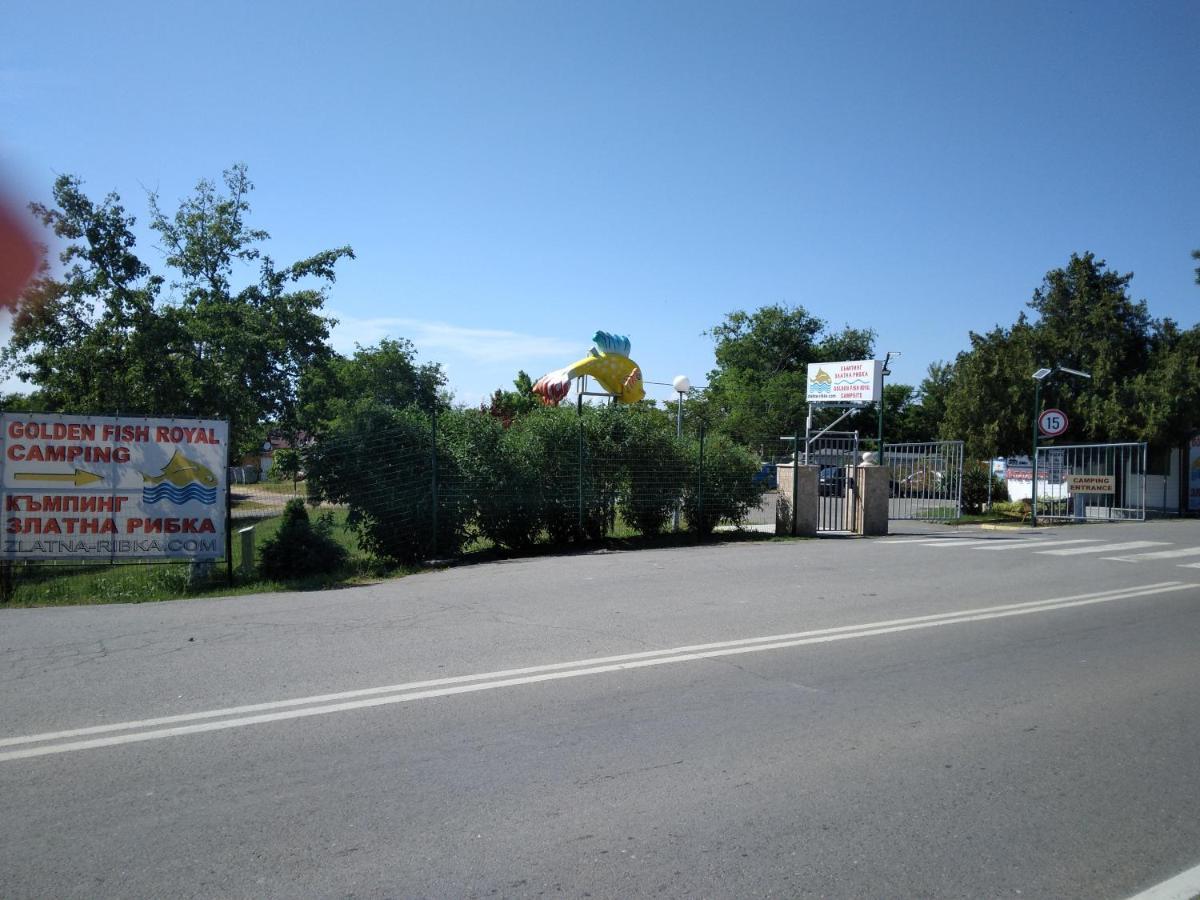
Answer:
(514, 176)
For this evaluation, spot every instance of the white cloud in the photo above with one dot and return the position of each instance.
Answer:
(434, 339)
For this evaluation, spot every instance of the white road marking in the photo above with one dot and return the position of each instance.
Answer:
(1104, 548)
(1183, 886)
(1024, 544)
(1189, 565)
(1158, 554)
(1019, 544)
(443, 687)
(961, 542)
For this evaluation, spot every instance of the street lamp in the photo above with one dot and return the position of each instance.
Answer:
(682, 385)
(885, 371)
(1038, 377)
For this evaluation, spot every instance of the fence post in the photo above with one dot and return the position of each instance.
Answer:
(229, 530)
(579, 485)
(795, 480)
(434, 486)
(700, 482)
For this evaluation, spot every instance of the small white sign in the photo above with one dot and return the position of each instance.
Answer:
(1052, 422)
(852, 381)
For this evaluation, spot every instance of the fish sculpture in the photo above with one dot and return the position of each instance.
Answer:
(181, 481)
(608, 362)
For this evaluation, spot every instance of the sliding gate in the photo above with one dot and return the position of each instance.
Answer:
(1091, 482)
(925, 480)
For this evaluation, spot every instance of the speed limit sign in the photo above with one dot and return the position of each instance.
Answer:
(1052, 422)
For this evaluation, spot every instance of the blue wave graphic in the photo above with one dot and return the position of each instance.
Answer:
(854, 381)
(820, 387)
(179, 496)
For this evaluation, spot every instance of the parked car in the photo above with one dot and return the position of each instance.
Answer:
(832, 481)
(918, 482)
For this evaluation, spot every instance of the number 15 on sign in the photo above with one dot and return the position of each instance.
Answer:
(1052, 422)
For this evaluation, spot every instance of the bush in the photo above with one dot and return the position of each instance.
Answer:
(299, 548)
(378, 461)
(975, 488)
(720, 485)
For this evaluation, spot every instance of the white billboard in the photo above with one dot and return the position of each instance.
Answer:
(103, 487)
(853, 381)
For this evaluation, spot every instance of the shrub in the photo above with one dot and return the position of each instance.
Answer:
(975, 488)
(720, 485)
(378, 461)
(299, 548)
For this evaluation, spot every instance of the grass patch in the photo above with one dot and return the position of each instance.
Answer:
(79, 584)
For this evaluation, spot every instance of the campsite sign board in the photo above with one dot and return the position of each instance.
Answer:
(104, 488)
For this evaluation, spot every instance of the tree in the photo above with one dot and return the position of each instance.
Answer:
(508, 405)
(247, 349)
(759, 385)
(94, 339)
(99, 337)
(386, 373)
(1087, 321)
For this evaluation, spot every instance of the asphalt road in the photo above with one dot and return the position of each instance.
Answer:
(935, 714)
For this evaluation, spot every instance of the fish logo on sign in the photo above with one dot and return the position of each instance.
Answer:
(822, 383)
(181, 481)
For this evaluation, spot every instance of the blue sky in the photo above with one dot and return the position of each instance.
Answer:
(515, 176)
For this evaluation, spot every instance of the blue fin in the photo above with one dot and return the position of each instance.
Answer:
(611, 343)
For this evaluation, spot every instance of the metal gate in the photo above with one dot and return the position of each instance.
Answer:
(836, 453)
(925, 480)
(1091, 482)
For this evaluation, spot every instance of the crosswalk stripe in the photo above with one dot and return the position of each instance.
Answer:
(1015, 545)
(1103, 548)
(959, 542)
(1189, 565)
(1159, 554)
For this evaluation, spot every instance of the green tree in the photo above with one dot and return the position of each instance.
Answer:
(508, 405)
(1086, 320)
(249, 347)
(386, 373)
(757, 391)
(95, 338)
(100, 336)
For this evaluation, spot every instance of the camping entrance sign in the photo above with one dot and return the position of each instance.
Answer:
(851, 381)
(105, 488)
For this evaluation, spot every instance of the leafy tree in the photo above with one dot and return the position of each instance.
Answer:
(101, 336)
(757, 391)
(1085, 320)
(94, 339)
(508, 405)
(386, 373)
(247, 349)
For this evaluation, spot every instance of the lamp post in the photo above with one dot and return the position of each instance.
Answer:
(884, 372)
(682, 385)
(1038, 377)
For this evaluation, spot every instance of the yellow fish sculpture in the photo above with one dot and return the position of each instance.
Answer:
(181, 471)
(608, 362)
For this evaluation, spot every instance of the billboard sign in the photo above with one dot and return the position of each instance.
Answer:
(853, 381)
(103, 487)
